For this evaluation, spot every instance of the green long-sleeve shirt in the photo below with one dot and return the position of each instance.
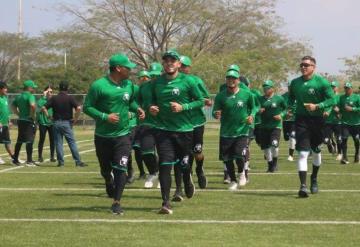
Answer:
(350, 117)
(105, 97)
(182, 90)
(273, 106)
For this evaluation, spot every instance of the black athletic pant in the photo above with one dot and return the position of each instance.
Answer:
(42, 130)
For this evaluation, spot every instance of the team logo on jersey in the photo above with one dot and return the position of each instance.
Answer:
(175, 91)
(240, 104)
(126, 97)
(273, 105)
(311, 91)
(351, 103)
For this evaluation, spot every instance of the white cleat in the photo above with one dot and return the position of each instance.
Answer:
(150, 180)
(290, 158)
(158, 185)
(242, 179)
(233, 186)
(2, 161)
(339, 157)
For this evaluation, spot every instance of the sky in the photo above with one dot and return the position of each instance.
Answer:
(332, 27)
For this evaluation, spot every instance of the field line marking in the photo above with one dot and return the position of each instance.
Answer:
(152, 221)
(152, 190)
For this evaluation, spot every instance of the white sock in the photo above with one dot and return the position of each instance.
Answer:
(302, 162)
(292, 143)
(316, 159)
(274, 152)
(246, 167)
(268, 154)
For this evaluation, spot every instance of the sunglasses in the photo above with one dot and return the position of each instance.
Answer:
(306, 65)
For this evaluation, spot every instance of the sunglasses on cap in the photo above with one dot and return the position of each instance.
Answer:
(306, 65)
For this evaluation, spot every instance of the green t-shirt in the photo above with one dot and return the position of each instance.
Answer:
(133, 121)
(317, 90)
(198, 116)
(334, 117)
(145, 101)
(350, 117)
(40, 116)
(105, 97)
(235, 108)
(291, 108)
(23, 103)
(182, 90)
(273, 106)
(4, 111)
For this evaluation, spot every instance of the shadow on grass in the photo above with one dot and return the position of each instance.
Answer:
(93, 209)
(82, 195)
(292, 195)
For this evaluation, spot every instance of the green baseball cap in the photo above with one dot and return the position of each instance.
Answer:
(268, 83)
(232, 73)
(334, 84)
(171, 53)
(143, 73)
(30, 83)
(348, 85)
(233, 67)
(121, 60)
(185, 60)
(155, 69)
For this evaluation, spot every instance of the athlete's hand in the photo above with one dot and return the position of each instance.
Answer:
(176, 107)
(262, 110)
(277, 117)
(336, 109)
(325, 114)
(208, 102)
(154, 110)
(310, 106)
(141, 113)
(249, 120)
(113, 118)
(217, 114)
(348, 108)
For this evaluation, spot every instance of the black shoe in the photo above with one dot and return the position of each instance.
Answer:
(314, 186)
(60, 165)
(81, 164)
(202, 181)
(165, 208)
(356, 159)
(41, 160)
(52, 160)
(116, 208)
(32, 163)
(227, 179)
(110, 190)
(177, 197)
(130, 179)
(16, 162)
(188, 184)
(142, 176)
(344, 162)
(303, 193)
(270, 167)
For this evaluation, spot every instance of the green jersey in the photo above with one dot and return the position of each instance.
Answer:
(23, 103)
(334, 117)
(133, 121)
(105, 97)
(350, 117)
(182, 90)
(198, 116)
(317, 90)
(4, 111)
(291, 108)
(235, 108)
(273, 106)
(145, 101)
(40, 116)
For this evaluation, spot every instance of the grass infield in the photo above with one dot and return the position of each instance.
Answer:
(51, 206)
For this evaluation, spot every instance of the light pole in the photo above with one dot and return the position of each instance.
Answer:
(20, 31)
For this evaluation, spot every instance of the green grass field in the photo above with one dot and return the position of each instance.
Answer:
(51, 206)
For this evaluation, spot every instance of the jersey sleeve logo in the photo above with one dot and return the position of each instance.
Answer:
(175, 91)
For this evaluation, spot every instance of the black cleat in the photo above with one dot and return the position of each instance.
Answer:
(202, 181)
(314, 186)
(60, 165)
(188, 184)
(116, 209)
(303, 193)
(16, 162)
(177, 197)
(52, 160)
(165, 208)
(356, 159)
(41, 160)
(81, 164)
(344, 162)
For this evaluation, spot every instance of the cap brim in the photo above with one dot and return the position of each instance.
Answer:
(155, 73)
(172, 56)
(130, 65)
